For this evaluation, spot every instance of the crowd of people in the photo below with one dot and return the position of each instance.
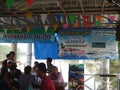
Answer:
(42, 76)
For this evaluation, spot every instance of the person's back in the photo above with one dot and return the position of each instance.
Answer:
(27, 80)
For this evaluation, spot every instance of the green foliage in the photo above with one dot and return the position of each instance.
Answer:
(4, 49)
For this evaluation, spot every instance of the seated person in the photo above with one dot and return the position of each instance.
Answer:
(6, 82)
(57, 79)
(56, 76)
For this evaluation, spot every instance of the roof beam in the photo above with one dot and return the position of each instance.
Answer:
(103, 5)
(58, 2)
(81, 5)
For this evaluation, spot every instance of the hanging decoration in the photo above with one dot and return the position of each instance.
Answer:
(58, 16)
(55, 27)
(86, 17)
(5, 30)
(98, 24)
(43, 17)
(28, 29)
(9, 3)
(99, 18)
(111, 19)
(29, 14)
(37, 28)
(86, 24)
(30, 2)
(75, 25)
(98, 21)
(12, 29)
(65, 25)
(72, 18)
(46, 28)
(20, 29)
(86, 21)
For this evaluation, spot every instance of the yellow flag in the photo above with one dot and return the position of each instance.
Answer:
(29, 14)
(55, 27)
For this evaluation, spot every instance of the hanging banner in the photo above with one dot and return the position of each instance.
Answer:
(27, 37)
(73, 44)
(44, 50)
(103, 44)
(87, 44)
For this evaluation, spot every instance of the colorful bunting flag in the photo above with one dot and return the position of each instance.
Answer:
(98, 24)
(9, 3)
(99, 18)
(76, 24)
(55, 27)
(20, 29)
(28, 29)
(72, 18)
(37, 28)
(58, 16)
(29, 2)
(86, 24)
(112, 18)
(12, 29)
(43, 17)
(86, 17)
(65, 25)
(29, 14)
(46, 28)
(110, 21)
(5, 30)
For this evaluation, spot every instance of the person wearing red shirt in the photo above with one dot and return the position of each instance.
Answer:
(46, 83)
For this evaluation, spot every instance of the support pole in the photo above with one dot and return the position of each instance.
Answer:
(29, 54)
(14, 48)
(105, 70)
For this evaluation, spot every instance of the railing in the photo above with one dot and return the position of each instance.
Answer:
(104, 80)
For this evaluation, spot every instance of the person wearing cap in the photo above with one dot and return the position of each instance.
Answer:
(46, 83)
(50, 66)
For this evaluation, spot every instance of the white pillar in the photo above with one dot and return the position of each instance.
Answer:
(14, 48)
(105, 70)
(29, 54)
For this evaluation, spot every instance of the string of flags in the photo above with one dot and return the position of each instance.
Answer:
(72, 18)
(73, 21)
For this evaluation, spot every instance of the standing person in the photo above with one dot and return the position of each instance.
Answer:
(34, 67)
(47, 83)
(50, 66)
(4, 68)
(12, 56)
